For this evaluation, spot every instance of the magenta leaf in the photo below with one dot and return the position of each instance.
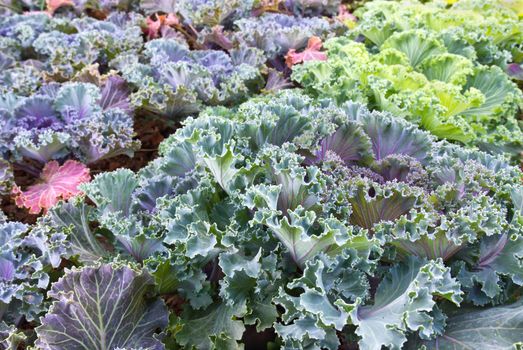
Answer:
(56, 182)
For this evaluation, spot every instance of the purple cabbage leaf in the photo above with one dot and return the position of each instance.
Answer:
(104, 307)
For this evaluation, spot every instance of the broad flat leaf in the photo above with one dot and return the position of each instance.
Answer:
(349, 142)
(100, 309)
(393, 136)
(403, 302)
(56, 182)
(496, 328)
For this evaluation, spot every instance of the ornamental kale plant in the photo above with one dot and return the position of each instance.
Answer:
(88, 121)
(202, 13)
(26, 260)
(58, 48)
(278, 33)
(489, 32)
(174, 81)
(260, 174)
(419, 76)
(43, 114)
(327, 225)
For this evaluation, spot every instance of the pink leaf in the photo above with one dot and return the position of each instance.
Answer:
(311, 53)
(155, 26)
(56, 182)
(53, 5)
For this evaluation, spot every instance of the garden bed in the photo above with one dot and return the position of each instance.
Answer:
(261, 174)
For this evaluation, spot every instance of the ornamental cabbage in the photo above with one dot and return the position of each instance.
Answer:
(416, 75)
(175, 82)
(70, 46)
(276, 33)
(26, 258)
(82, 119)
(487, 31)
(341, 194)
(314, 220)
(374, 207)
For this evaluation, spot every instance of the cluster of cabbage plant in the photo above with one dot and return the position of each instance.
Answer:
(76, 74)
(440, 68)
(329, 225)
(375, 207)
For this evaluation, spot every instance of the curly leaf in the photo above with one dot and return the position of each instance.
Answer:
(403, 302)
(73, 219)
(500, 255)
